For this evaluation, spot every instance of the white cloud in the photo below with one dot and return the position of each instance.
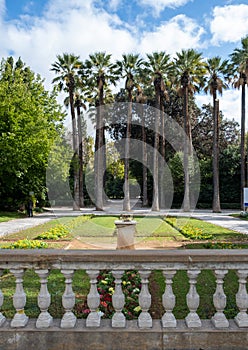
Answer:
(73, 26)
(229, 23)
(181, 32)
(160, 5)
(113, 4)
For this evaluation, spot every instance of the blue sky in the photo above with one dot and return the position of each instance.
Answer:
(38, 30)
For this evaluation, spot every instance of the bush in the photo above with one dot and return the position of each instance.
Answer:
(26, 244)
(188, 230)
(131, 285)
(57, 232)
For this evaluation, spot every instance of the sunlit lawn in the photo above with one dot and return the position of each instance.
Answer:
(102, 229)
(7, 216)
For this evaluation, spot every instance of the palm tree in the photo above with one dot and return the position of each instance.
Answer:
(217, 73)
(189, 70)
(157, 67)
(67, 67)
(78, 105)
(141, 99)
(129, 67)
(239, 58)
(100, 73)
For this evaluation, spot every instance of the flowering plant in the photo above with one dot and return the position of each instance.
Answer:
(131, 285)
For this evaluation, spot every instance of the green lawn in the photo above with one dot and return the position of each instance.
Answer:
(101, 229)
(205, 287)
(7, 216)
(218, 232)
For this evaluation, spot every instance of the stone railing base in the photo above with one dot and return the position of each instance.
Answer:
(129, 338)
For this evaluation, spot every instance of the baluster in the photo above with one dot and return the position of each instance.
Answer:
(144, 320)
(68, 301)
(192, 319)
(219, 299)
(118, 301)
(2, 318)
(44, 299)
(242, 299)
(169, 301)
(93, 300)
(19, 300)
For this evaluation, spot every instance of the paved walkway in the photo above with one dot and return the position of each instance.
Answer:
(222, 219)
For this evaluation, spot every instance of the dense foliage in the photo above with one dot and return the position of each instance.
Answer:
(30, 122)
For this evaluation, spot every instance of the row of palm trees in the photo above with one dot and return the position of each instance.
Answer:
(91, 82)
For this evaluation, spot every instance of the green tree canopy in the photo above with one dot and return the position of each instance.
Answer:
(30, 122)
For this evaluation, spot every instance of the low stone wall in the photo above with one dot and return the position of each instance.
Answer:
(94, 333)
(130, 338)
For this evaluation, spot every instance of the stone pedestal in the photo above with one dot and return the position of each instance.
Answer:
(125, 234)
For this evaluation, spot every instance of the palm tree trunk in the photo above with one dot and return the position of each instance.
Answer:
(99, 154)
(75, 150)
(162, 158)
(242, 146)
(155, 201)
(80, 153)
(144, 159)
(187, 151)
(216, 189)
(126, 201)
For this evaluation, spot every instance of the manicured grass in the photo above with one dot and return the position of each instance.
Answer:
(101, 229)
(7, 216)
(205, 288)
(33, 232)
(218, 232)
(156, 227)
(31, 284)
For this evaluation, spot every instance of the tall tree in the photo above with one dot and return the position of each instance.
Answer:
(141, 100)
(66, 68)
(79, 105)
(129, 67)
(216, 77)
(239, 58)
(158, 67)
(189, 71)
(100, 73)
(30, 121)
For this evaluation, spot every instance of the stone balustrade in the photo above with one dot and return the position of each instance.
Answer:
(169, 262)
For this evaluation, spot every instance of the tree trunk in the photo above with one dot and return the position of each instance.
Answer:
(99, 154)
(242, 146)
(75, 150)
(155, 201)
(144, 159)
(80, 154)
(162, 158)
(126, 201)
(187, 151)
(216, 187)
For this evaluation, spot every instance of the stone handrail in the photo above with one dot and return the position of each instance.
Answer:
(145, 261)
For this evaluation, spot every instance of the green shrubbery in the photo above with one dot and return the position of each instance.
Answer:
(58, 232)
(188, 230)
(26, 244)
(55, 233)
